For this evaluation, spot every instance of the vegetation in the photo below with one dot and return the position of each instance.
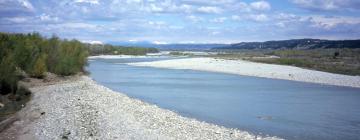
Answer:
(35, 55)
(339, 60)
(96, 49)
(177, 53)
(294, 44)
(23, 55)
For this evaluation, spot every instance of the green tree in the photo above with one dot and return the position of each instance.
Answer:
(39, 67)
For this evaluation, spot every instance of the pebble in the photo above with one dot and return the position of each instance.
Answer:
(104, 114)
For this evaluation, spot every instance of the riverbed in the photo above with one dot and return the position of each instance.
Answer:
(283, 108)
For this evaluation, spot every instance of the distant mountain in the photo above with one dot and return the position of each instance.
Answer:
(294, 44)
(170, 47)
(189, 47)
(145, 44)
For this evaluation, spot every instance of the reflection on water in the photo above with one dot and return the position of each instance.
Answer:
(291, 110)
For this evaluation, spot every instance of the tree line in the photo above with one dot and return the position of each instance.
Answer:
(34, 55)
(97, 49)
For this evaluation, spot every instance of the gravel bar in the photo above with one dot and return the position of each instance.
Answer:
(82, 109)
(241, 67)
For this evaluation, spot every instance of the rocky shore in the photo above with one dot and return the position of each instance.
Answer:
(241, 67)
(79, 108)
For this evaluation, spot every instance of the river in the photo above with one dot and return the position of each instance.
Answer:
(287, 109)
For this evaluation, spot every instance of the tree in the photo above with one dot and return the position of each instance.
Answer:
(39, 67)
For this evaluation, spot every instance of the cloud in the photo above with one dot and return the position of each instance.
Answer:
(317, 26)
(167, 7)
(210, 9)
(260, 5)
(219, 20)
(258, 17)
(208, 2)
(194, 18)
(182, 20)
(48, 18)
(236, 18)
(214, 33)
(92, 41)
(331, 22)
(87, 1)
(15, 7)
(160, 42)
(328, 5)
(78, 25)
(17, 19)
(26, 4)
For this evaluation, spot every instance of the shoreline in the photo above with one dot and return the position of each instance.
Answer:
(247, 68)
(80, 108)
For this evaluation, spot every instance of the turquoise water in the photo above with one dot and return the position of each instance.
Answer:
(287, 109)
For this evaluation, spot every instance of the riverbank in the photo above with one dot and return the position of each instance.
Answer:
(247, 68)
(79, 108)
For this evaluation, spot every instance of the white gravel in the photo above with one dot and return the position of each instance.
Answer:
(241, 67)
(82, 109)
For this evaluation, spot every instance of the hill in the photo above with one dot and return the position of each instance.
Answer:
(299, 44)
(189, 47)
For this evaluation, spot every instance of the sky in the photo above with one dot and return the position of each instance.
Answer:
(183, 21)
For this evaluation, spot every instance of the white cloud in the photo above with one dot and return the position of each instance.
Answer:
(286, 16)
(260, 5)
(210, 9)
(209, 2)
(330, 22)
(133, 1)
(92, 41)
(79, 25)
(26, 4)
(176, 27)
(48, 18)
(159, 42)
(19, 6)
(215, 33)
(180, 20)
(95, 2)
(236, 17)
(259, 17)
(156, 23)
(219, 20)
(328, 5)
(194, 18)
(167, 7)
(155, 8)
(17, 19)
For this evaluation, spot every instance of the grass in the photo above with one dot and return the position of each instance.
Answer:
(341, 61)
(178, 53)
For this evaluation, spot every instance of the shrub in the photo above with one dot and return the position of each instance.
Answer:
(8, 77)
(36, 55)
(72, 57)
(294, 62)
(96, 49)
(39, 67)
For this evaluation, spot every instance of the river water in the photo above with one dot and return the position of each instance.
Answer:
(287, 109)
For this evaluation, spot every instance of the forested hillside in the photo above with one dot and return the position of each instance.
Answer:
(294, 44)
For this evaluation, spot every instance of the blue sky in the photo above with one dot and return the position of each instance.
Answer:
(183, 21)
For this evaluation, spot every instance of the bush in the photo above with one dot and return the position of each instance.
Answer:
(72, 57)
(294, 62)
(36, 55)
(39, 68)
(8, 76)
(98, 49)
